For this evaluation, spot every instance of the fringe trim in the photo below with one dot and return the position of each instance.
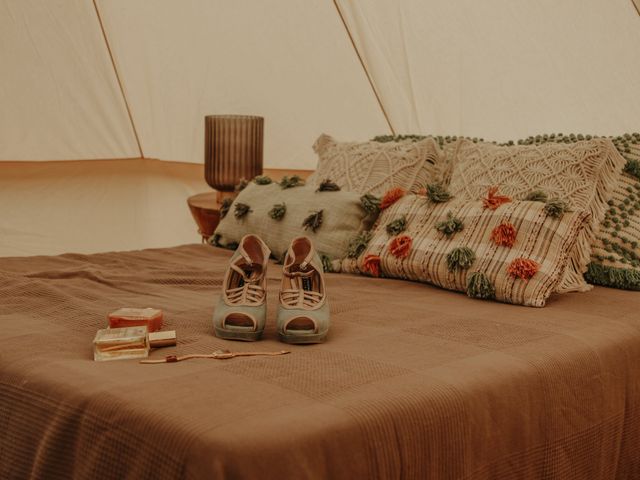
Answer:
(624, 278)
(608, 178)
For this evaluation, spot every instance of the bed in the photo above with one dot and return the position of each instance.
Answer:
(413, 382)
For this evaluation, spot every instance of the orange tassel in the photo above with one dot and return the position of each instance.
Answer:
(371, 265)
(523, 268)
(391, 197)
(400, 246)
(494, 200)
(504, 235)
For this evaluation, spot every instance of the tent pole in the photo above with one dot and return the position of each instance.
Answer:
(115, 70)
(366, 72)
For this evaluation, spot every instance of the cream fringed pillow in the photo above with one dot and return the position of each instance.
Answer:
(279, 212)
(514, 252)
(583, 175)
(374, 167)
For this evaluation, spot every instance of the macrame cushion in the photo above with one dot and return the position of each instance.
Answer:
(375, 167)
(522, 267)
(615, 256)
(584, 174)
(342, 216)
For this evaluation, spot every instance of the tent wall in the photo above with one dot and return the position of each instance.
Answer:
(102, 205)
(289, 61)
(501, 69)
(59, 97)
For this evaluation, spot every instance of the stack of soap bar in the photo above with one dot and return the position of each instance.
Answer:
(121, 343)
(131, 317)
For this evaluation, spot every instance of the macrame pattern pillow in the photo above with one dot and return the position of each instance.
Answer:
(615, 258)
(583, 174)
(375, 167)
(279, 212)
(511, 251)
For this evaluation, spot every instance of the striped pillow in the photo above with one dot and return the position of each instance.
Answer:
(514, 252)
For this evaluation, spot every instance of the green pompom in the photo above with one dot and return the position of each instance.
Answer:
(479, 286)
(437, 193)
(633, 168)
(537, 196)
(328, 186)
(278, 211)
(397, 226)
(241, 209)
(460, 258)
(215, 241)
(326, 263)
(370, 204)
(358, 244)
(313, 221)
(263, 180)
(450, 226)
(556, 207)
(290, 182)
(242, 184)
(225, 206)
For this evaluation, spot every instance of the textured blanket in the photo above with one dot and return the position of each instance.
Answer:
(413, 382)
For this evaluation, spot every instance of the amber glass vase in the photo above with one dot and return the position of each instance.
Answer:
(233, 148)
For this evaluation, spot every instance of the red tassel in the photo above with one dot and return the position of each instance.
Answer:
(400, 246)
(523, 268)
(494, 200)
(391, 197)
(504, 235)
(371, 265)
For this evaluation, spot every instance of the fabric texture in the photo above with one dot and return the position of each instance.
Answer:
(413, 382)
(615, 255)
(478, 240)
(374, 167)
(583, 174)
(340, 213)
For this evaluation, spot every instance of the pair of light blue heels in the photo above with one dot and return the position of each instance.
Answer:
(303, 310)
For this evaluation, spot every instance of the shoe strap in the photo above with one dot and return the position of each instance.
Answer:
(251, 292)
(299, 297)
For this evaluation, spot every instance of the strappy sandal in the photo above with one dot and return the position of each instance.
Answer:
(303, 313)
(242, 308)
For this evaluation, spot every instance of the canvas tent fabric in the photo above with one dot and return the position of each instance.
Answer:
(59, 97)
(122, 79)
(500, 69)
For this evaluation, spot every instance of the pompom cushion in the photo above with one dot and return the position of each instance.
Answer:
(583, 174)
(514, 253)
(277, 215)
(375, 167)
(615, 255)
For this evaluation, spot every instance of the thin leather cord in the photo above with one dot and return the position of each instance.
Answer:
(364, 67)
(636, 4)
(115, 70)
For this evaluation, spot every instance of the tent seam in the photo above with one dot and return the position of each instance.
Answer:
(117, 74)
(364, 67)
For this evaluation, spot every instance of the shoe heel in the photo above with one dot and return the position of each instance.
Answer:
(237, 335)
(298, 339)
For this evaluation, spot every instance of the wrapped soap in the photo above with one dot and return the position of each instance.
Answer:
(121, 343)
(131, 317)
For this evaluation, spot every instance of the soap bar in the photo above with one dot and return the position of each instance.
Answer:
(121, 343)
(131, 317)
(162, 339)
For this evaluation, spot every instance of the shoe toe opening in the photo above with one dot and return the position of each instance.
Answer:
(301, 325)
(239, 321)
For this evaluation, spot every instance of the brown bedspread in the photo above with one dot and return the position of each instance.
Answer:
(413, 382)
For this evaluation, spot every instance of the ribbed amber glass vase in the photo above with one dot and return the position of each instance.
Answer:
(233, 146)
